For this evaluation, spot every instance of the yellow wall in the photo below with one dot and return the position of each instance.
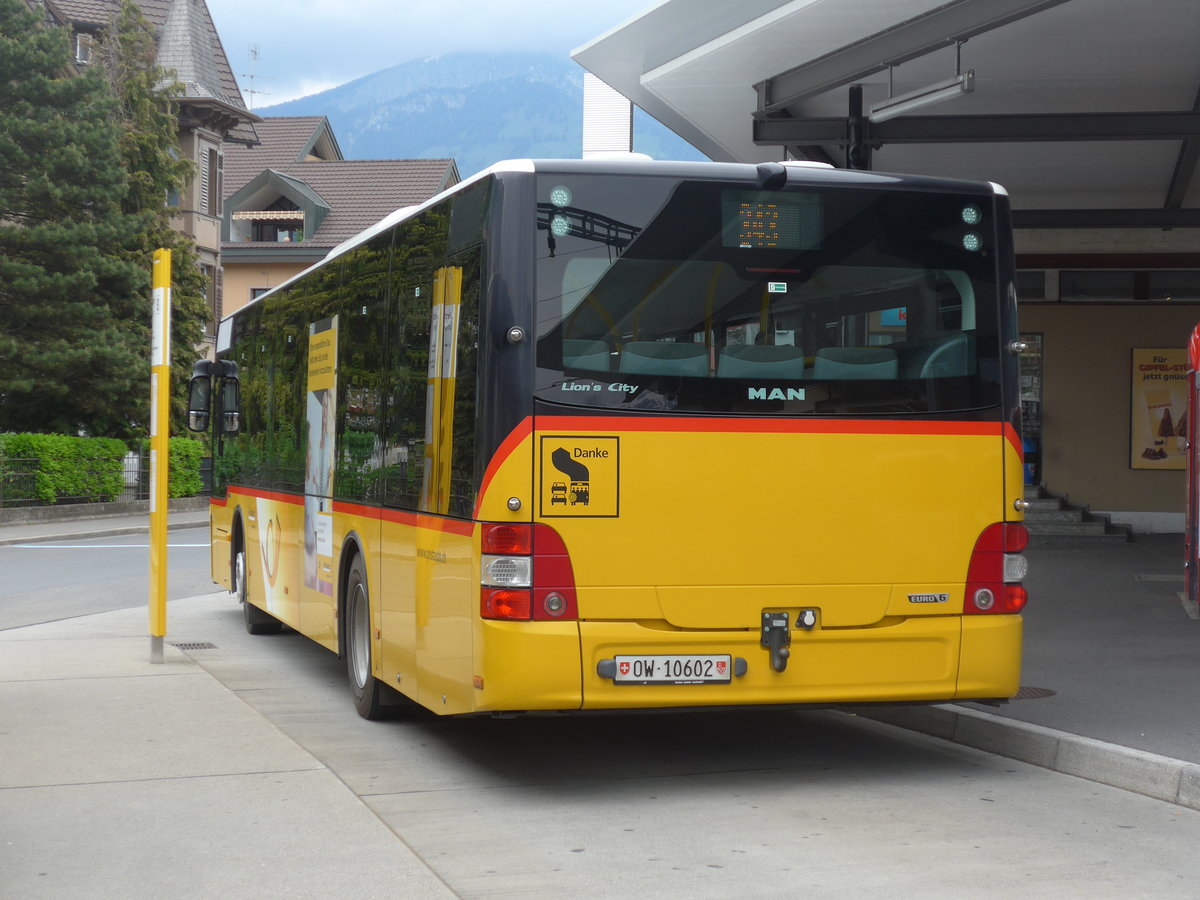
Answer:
(1085, 402)
(241, 277)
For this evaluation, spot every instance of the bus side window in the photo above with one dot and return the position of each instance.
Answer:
(404, 428)
(361, 338)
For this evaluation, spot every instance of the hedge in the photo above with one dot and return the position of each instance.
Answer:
(84, 470)
(185, 454)
(88, 470)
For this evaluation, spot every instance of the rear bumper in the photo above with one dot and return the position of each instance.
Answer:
(927, 658)
(526, 666)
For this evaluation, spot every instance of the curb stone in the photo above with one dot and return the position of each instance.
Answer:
(1160, 777)
(112, 531)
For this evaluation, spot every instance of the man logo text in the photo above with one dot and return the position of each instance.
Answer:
(775, 393)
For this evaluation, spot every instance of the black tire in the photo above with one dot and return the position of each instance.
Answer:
(364, 686)
(257, 621)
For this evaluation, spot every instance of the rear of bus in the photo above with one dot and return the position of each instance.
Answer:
(775, 443)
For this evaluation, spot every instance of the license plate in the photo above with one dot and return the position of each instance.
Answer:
(702, 668)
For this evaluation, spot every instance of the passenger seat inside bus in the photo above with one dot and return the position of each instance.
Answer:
(855, 363)
(591, 355)
(761, 361)
(664, 358)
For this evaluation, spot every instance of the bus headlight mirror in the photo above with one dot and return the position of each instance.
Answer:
(199, 397)
(230, 406)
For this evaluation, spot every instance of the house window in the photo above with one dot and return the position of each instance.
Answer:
(83, 47)
(278, 231)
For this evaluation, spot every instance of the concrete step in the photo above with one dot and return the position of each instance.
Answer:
(1078, 540)
(1097, 526)
(1047, 504)
(1051, 519)
(1043, 516)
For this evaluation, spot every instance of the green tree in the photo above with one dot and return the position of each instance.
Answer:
(74, 306)
(148, 109)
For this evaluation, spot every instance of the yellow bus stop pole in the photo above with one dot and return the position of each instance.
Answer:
(160, 428)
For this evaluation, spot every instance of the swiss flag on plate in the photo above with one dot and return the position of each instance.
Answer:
(625, 668)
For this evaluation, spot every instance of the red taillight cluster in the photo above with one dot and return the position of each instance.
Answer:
(525, 573)
(996, 571)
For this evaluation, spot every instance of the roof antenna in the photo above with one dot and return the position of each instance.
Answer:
(251, 91)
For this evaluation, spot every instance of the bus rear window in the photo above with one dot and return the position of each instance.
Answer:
(706, 297)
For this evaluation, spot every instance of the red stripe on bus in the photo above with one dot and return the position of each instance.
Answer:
(294, 499)
(514, 440)
(406, 517)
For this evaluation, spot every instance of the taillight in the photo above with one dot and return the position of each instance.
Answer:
(525, 573)
(996, 571)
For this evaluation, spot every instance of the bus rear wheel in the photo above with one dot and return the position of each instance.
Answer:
(367, 691)
(257, 621)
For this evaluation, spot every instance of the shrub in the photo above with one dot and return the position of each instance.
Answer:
(185, 455)
(85, 470)
(183, 458)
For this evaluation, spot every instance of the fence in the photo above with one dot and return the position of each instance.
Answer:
(18, 482)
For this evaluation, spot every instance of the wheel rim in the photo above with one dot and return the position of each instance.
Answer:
(239, 576)
(360, 650)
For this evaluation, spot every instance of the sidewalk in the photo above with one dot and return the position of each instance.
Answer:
(101, 526)
(123, 779)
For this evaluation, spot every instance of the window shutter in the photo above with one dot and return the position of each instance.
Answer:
(212, 203)
(204, 187)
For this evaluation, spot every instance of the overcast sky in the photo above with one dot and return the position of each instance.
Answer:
(307, 46)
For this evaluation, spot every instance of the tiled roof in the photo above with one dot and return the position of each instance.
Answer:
(283, 140)
(361, 192)
(192, 47)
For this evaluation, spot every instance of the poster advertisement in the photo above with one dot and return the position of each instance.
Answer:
(319, 459)
(1158, 409)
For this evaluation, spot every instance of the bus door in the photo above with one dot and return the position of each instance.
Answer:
(1191, 543)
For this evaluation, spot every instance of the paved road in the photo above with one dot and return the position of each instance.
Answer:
(45, 582)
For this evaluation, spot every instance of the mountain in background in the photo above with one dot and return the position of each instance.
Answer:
(475, 107)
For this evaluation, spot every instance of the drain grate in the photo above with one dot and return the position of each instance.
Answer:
(1033, 693)
(193, 645)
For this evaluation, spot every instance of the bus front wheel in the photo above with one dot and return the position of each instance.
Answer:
(367, 691)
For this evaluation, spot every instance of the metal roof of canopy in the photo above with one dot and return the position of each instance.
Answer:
(1087, 111)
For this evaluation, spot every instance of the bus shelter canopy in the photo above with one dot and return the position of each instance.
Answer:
(1087, 111)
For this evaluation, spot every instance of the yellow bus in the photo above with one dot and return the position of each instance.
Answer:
(584, 435)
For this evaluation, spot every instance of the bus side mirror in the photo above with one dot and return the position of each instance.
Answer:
(231, 406)
(199, 396)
